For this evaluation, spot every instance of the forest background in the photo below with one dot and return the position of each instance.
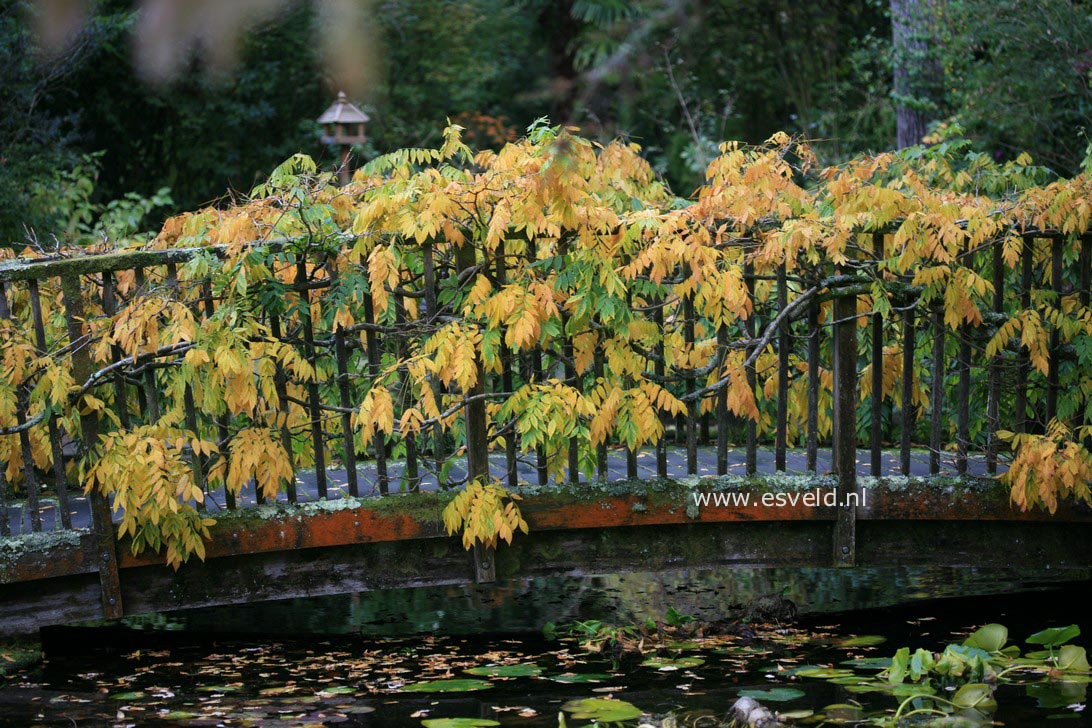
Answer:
(88, 149)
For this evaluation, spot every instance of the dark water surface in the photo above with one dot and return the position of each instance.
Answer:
(322, 662)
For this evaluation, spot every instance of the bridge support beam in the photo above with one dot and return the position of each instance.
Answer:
(106, 555)
(845, 428)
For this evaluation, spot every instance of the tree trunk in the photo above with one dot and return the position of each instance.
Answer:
(916, 72)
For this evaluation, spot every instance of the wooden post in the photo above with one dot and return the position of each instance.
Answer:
(845, 427)
(102, 525)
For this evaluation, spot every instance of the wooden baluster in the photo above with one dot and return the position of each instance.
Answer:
(659, 366)
(280, 386)
(197, 462)
(693, 406)
(477, 436)
(371, 340)
(109, 308)
(318, 437)
(507, 381)
(1023, 362)
(993, 395)
(5, 512)
(908, 409)
(22, 402)
(439, 456)
(102, 525)
(223, 434)
(936, 422)
(877, 372)
(751, 371)
(59, 476)
(151, 393)
(722, 405)
(412, 472)
(784, 343)
(1057, 249)
(569, 367)
(601, 448)
(844, 458)
(341, 357)
(963, 393)
(814, 332)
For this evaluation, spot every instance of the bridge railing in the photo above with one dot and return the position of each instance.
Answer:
(63, 309)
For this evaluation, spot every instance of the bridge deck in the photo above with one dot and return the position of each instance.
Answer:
(796, 464)
(350, 545)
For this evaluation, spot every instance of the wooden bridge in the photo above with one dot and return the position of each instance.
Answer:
(927, 503)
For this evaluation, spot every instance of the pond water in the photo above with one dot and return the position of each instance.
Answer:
(265, 665)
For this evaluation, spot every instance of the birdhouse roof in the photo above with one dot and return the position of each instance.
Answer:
(343, 112)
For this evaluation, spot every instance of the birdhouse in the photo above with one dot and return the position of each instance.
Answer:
(343, 123)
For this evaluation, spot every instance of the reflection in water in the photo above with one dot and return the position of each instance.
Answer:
(526, 605)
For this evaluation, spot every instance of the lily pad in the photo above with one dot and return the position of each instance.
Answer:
(1054, 636)
(337, 690)
(864, 640)
(583, 677)
(869, 663)
(989, 637)
(524, 670)
(458, 723)
(795, 714)
(447, 686)
(673, 663)
(137, 695)
(602, 710)
(975, 695)
(775, 695)
(1072, 658)
(823, 673)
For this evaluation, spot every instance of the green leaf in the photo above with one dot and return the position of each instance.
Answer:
(526, 670)
(1072, 658)
(447, 686)
(602, 710)
(1054, 636)
(137, 695)
(584, 677)
(865, 640)
(975, 695)
(776, 695)
(676, 663)
(990, 637)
